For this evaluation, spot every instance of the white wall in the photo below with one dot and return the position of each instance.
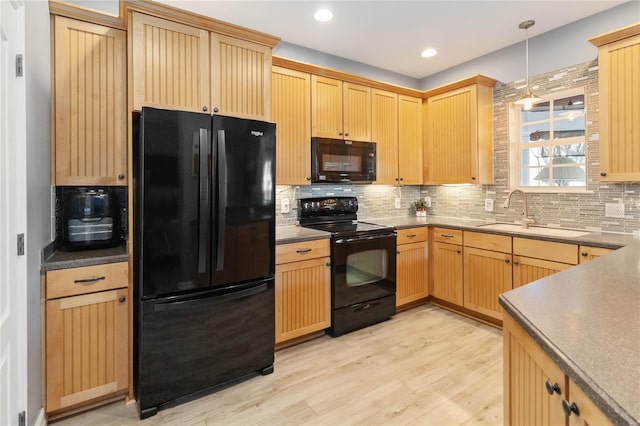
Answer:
(38, 93)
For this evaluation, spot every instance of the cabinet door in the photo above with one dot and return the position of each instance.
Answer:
(412, 273)
(303, 298)
(589, 253)
(87, 341)
(619, 81)
(384, 132)
(326, 107)
(447, 272)
(526, 269)
(291, 111)
(590, 414)
(241, 78)
(90, 104)
(356, 114)
(410, 140)
(170, 64)
(527, 370)
(487, 274)
(451, 136)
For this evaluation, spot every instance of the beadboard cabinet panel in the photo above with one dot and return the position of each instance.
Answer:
(356, 114)
(326, 107)
(384, 132)
(410, 140)
(412, 272)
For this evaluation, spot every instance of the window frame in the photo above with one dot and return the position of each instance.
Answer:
(515, 146)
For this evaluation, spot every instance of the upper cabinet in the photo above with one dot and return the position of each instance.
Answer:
(240, 77)
(619, 91)
(409, 140)
(90, 104)
(178, 66)
(291, 110)
(340, 110)
(384, 132)
(459, 133)
(170, 64)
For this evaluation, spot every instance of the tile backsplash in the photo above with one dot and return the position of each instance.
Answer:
(584, 210)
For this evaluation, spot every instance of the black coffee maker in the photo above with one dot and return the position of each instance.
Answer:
(91, 219)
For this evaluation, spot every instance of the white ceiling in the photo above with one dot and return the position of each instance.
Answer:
(391, 34)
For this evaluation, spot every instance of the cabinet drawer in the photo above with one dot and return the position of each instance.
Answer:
(304, 250)
(501, 243)
(412, 235)
(446, 235)
(87, 279)
(548, 250)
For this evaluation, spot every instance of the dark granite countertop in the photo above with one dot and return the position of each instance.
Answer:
(60, 259)
(587, 319)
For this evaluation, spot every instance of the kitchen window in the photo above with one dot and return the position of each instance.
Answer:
(548, 144)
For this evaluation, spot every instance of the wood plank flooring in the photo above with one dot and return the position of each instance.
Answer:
(426, 366)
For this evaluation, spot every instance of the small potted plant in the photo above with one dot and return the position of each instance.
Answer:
(421, 207)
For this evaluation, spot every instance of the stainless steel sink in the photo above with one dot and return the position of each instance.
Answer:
(533, 230)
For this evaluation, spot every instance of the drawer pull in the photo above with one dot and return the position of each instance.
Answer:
(89, 280)
(446, 235)
(584, 254)
(121, 299)
(301, 251)
(412, 235)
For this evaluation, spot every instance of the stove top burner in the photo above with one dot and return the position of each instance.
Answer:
(342, 228)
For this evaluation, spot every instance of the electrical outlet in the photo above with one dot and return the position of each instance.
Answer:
(427, 201)
(488, 204)
(614, 210)
(284, 205)
(397, 202)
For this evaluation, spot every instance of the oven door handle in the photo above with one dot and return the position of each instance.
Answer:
(364, 238)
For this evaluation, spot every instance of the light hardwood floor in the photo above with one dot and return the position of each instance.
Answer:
(426, 366)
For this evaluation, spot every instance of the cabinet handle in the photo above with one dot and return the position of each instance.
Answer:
(340, 134)
(515, 262)
(397, 252)
(328, 263)
(89, 280)
(120, 176)
(507, 261)
(603, 174)
(301, 251)
(309, 178)
(458, 251)
(412, 235)
(473, 178)
(551, 388)
(121, 299)
(215, 109)
(446, 235)
(584, 254)
(205, 109)
(346, 134)
(397, 179)
(401, 179)
(570, 408)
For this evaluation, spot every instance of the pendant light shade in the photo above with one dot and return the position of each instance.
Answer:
(528, 98)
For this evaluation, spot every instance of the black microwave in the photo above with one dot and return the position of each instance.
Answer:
(342, 161)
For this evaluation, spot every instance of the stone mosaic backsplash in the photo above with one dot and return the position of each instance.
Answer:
(584, 210)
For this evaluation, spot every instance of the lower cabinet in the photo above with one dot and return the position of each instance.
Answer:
(87, 335)
(588, 253)
(536, 389)
(412, 266)
(447, 265)
(303, 289)
(535, 259)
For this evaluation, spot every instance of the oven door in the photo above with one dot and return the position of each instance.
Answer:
(363, 269)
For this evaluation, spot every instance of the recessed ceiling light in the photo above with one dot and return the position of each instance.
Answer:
(323, 15)
(429, 53)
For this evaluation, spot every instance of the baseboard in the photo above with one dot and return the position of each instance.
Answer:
(41, 420)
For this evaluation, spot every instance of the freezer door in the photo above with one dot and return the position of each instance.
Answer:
(244, 211)
(173, 202)
(190, 344)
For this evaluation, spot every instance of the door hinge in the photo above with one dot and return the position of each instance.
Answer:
(21, 419)
(20, 244)
(19, 65)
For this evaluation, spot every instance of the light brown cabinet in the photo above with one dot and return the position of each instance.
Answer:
(409, 140)
(87, 335)
(170, 65)
(535, 259)
(588, 253)
(459, 135)
(619, 98)
(412, 273)
(340, 110)
(303, 289)
(384, 132)
(90, 103)
(487, 272)
(447, 265)
(536, 388)
(291, 111)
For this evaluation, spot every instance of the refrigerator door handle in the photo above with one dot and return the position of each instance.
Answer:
(222, 199)
(203, 213)
(176, 305)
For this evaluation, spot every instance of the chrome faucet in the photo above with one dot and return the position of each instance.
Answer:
(525, 215)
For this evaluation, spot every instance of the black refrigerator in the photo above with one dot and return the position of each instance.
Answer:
(204, 253)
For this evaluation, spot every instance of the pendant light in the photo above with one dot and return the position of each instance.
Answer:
(527, 99)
